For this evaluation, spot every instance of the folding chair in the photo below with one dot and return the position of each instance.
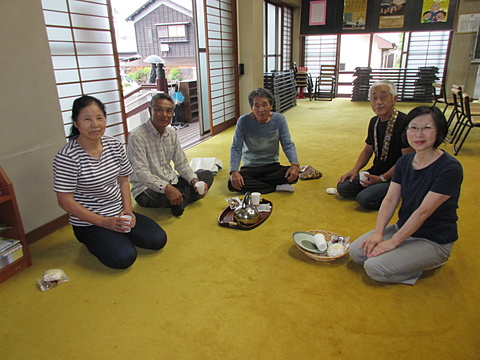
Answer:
(457, 114)
(440, 96)
(466, 125)
(310, 87)
(325, 83)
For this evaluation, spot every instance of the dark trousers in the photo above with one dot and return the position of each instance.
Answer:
(153, 199)
(369, 197)
(262, 179)
(117, 250)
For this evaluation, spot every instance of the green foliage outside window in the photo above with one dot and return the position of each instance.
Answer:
(175, 74)
(140, 75)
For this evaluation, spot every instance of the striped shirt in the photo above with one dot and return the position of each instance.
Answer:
(151, 155)
(93, 182)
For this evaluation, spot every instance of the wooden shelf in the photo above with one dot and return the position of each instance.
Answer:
(4, 198)
(10, 215)
(190, 105)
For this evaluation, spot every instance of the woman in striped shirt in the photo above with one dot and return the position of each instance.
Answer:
(91, 181)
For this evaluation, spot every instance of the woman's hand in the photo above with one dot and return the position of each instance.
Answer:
(116, 223)
(236, 179)
(370, 243)
(130, 223)
(383, 247)
(292, 173)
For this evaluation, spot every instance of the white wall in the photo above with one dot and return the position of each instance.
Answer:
(460, 69)
(250, 40)
(31, 130)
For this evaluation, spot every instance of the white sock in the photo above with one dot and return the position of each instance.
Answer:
(285, 188)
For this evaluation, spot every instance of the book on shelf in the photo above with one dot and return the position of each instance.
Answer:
(4, 227)
(10, 251)
(5, 244)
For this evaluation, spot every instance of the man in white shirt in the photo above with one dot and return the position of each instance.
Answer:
(151, 149)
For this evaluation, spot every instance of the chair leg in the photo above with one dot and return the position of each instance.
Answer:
(452, 116)
(445, 108)
(456, 149)
(456, 128)
(457, 135)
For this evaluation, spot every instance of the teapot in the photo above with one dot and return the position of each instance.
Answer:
(246, 214)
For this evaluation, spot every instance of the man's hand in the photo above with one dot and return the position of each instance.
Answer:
(236, 180)
(352, 174)
(173, 195)
(292, 173)
(372, 180)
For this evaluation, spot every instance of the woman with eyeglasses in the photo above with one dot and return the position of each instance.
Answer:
(427, 184)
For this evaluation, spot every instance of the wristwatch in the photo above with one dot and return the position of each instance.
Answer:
(383, 179)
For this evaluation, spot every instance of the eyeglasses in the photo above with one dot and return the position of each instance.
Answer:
(424, 129)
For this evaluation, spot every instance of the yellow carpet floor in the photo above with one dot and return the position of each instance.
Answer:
(220, 293)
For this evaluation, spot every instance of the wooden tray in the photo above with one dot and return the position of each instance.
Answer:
(227, 219)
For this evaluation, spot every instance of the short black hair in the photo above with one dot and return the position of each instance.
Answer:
(79, 104)
(159, 96)
(261, 92)
(437, 116)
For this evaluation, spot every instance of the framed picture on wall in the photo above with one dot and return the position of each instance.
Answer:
(392, 14)
(318, 12)
(476, 49)
(354, 14)
(435, 11)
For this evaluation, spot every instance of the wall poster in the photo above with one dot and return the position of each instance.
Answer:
(318, 12)
(392, 14)
(354, 14)
(468, 23)
(435, 11)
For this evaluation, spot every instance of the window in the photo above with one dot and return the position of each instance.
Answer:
(427, 48)
(277, 37)
(84, 59)
(171, 31)
(409, 50)
(320, 50)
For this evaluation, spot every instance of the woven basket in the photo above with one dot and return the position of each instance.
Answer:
(328, 235)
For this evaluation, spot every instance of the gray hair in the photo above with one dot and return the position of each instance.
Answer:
(392, 89)
(261, 92)
(159, 96)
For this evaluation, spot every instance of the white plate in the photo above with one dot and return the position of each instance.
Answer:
(304, 239)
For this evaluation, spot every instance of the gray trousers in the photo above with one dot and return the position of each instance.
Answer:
(404, 264)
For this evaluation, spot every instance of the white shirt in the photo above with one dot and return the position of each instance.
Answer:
(151, 155)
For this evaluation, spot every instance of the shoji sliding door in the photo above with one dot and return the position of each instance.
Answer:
(85, 62)
(218, 63)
